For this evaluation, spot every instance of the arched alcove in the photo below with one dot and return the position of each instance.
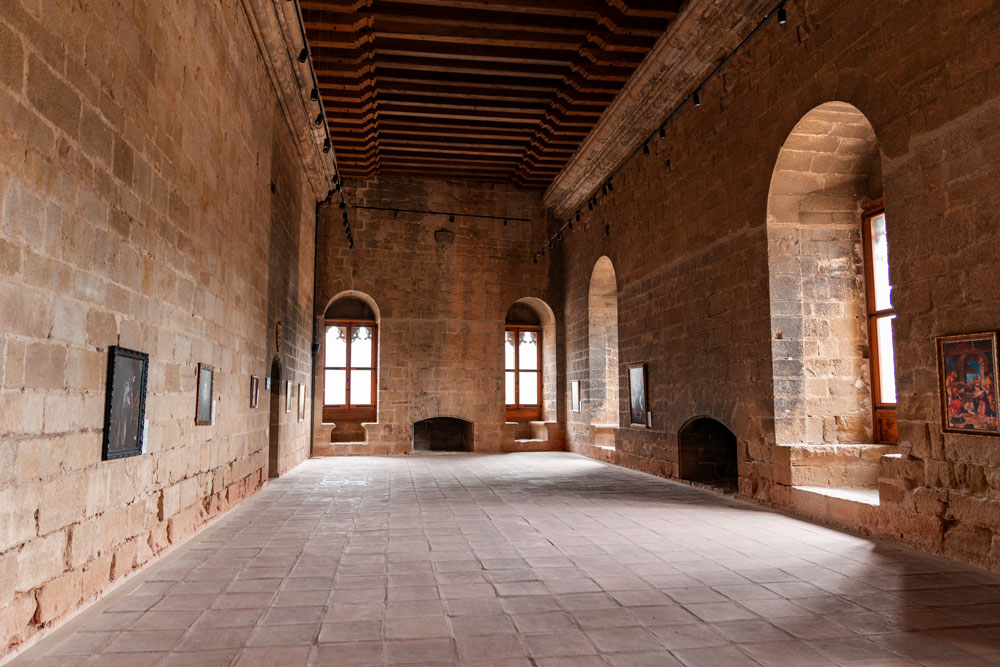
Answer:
(707, 453)
(826, 171)
(274, 423)
(602, 310)
(349, 372)
(523, 316)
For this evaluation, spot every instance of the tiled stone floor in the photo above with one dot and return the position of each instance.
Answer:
(530, 559)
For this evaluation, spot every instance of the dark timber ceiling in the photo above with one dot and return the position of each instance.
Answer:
(489, 90)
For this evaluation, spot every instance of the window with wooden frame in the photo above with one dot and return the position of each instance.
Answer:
(523, 372)
(880, 321)
(350, 370)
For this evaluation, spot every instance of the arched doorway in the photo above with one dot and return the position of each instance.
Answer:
(602, 316)
(826, 173)
(707, 453)
(274, 428)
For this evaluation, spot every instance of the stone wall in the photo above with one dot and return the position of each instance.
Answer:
(689, 245)
(135, 190)
(442, 290)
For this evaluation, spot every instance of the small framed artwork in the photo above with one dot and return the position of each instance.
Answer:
(125, 403)
(288, 395)
(254, 391)
(575, 389)
(967, 374)
(302, 402)
(637, 403)
(206, 384)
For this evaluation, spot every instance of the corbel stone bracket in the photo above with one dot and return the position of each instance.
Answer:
(276, 31)
(694, 43)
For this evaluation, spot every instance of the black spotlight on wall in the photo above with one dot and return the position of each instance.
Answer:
(542, 251)
(604, 189)
(314, 95)
(505, 222)
(559, 235)
(569, 223)
(319, 119)
(326, 145)
(590, 206)
(534, 259)
(451, 218)
(607, 230)
(303, 55)
(663, 133)
(645, 148)
(578, 216)
(342, 205)
(782, 15)
(696, 98)
(611, 186)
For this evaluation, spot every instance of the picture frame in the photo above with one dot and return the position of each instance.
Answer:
(288, 395)
(302, 402)
(254, 392)
(125, 403)
(638, 403)
(206, 391)
(575, 395)
(967, 389)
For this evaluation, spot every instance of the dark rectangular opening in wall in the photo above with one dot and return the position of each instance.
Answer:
(442, 434)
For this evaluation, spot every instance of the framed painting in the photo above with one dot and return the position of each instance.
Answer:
(125, 403)
(254, 391)
(302, 402)
(575, 389)
(206, 385)
(288, 395)
(638, 406)
(967, 373)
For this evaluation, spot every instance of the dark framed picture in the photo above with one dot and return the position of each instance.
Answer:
(967, 374)
(302, 402)
(206, 385)
(637, 404)
(288, 395)
(125, 406)
(254, 391)
(575, 389)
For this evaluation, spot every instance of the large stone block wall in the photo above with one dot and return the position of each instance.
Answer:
(689, 246)
(137, 149)
(442, 290)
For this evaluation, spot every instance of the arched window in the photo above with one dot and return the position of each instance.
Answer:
(350, 362)
(523, 364)
(880, 317)
(602, 312)
(831, 314)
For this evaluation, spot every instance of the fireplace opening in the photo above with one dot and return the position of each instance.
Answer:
(442, 434)
(708, 454)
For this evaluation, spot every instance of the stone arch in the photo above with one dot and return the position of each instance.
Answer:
(274, 420)
(352, 305)
(547, 320)
(827, 169)
(602, 313)
(707, 452)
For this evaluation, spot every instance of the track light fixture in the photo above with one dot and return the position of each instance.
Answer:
(604, 189)
(782, 15)
(319, 119)
(663, 133)
(696, 98)
(326, 145)
(342, 205)
(314, 95)
(569, 223)
(590, 206)
(542, 251)
(594, 200)
(303, 55)
(550, 244)
(535, 259)
(645, 149)
(451, 218)
(337, 186)
(578, 216)
(505, 222)
(559, 235)
(611, 186)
